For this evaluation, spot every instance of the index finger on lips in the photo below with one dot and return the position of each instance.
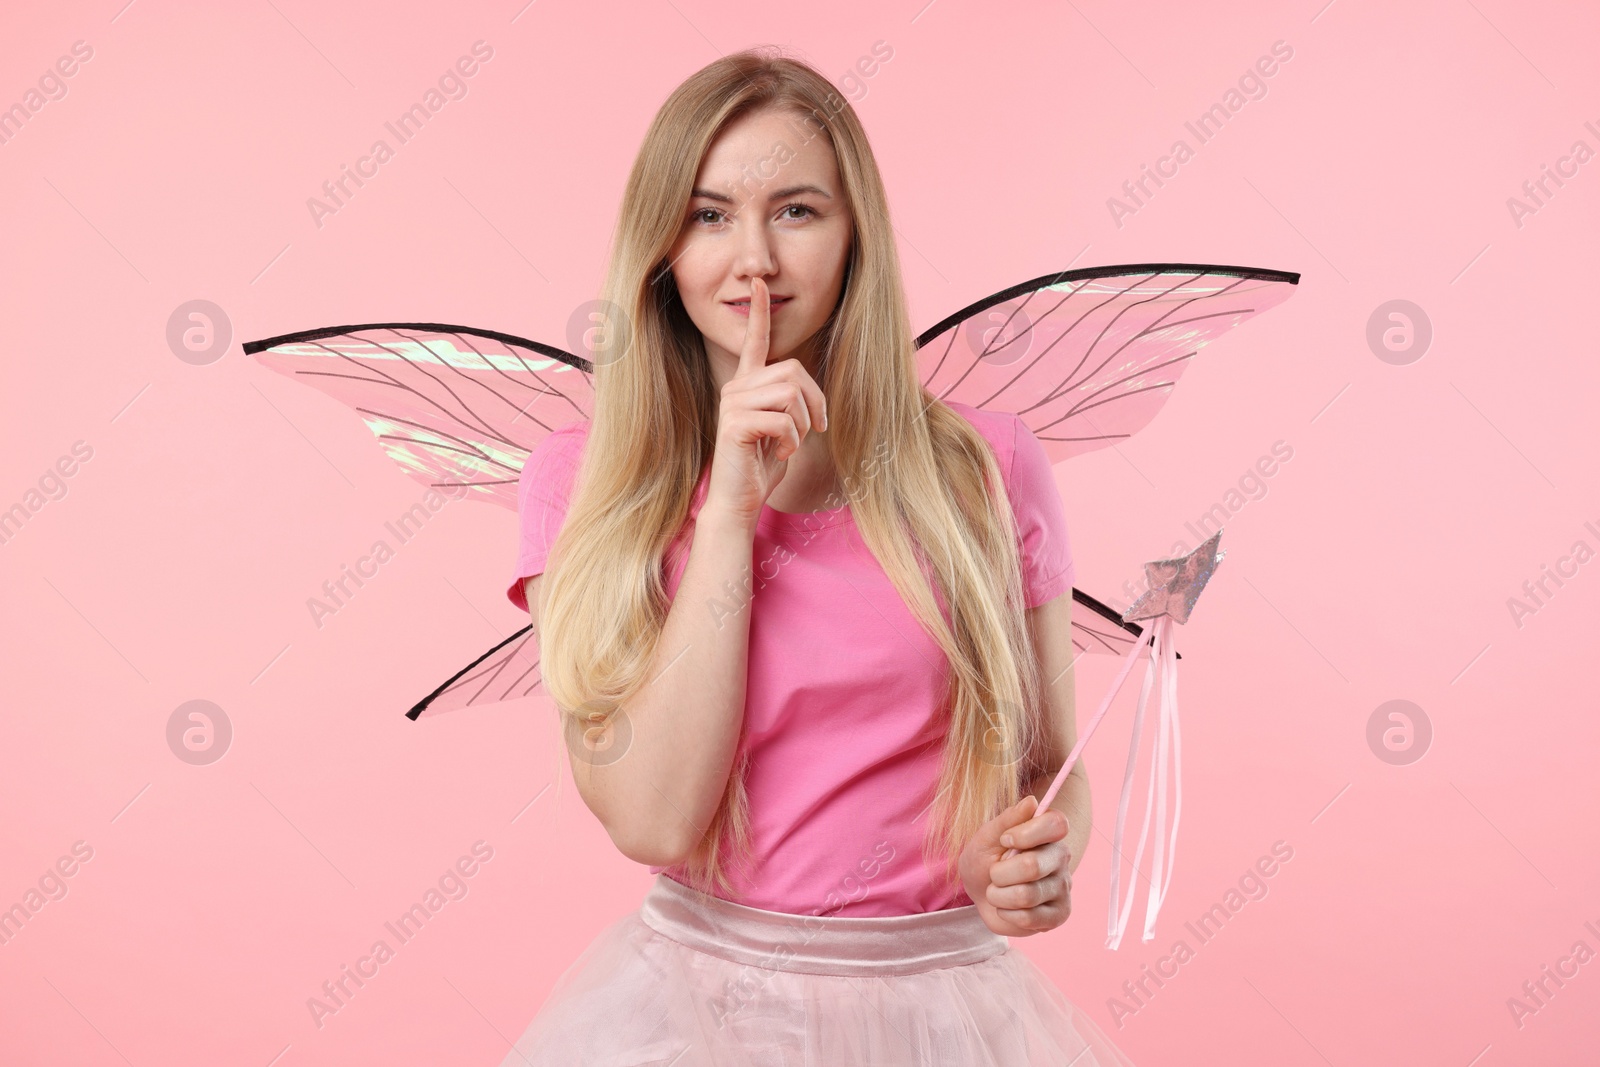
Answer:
(758, 331)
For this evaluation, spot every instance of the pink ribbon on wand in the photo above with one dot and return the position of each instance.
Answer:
(1088, 731)
(1175, 584)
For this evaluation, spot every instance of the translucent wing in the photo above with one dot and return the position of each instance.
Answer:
(457, 408)
(1087, 357)
(1101, 629)
(505, 672)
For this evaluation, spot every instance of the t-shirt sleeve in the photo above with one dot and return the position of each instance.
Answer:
(544, 489)
(1047, 567)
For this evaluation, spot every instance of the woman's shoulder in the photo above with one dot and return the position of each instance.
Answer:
(564, 442)
(999, 428)
(553, 462)
(573, 434)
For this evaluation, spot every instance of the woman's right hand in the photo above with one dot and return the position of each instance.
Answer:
(765, 414)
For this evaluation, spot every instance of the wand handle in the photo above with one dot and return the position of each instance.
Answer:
(1088, 731)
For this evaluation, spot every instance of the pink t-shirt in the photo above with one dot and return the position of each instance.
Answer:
(842, 684)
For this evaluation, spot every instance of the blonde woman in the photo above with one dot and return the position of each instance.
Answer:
(807, 626)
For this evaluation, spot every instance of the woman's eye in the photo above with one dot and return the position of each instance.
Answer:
(717, 216)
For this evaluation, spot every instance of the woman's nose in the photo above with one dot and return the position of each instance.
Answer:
(755, 255)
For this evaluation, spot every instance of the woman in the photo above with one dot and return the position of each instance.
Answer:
(788, 603)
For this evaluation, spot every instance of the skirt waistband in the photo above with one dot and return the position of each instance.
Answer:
(819, 944)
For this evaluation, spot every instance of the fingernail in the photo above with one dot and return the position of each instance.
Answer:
(1007, 840)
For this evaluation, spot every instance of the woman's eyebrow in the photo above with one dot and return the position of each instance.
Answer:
(778, 194)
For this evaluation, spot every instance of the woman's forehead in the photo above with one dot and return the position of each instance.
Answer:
(756, 148)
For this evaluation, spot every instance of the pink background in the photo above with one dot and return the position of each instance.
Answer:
(1377, 566)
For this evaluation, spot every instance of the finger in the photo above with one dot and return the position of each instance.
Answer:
(1044, 917)
(1026, 896)
(1021, 811)
(803, 391)
(1004, 926)
(1035, 918)
(812, 396)
(996, 828)
(772, 431)
(1022, 920)
(786, 397)
(1050, 825)
(758, 331)
(1016, 815)
(1029, 864)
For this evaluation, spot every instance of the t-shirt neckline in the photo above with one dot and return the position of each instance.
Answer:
(773, 519)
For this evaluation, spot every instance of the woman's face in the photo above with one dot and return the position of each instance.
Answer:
(767, 202)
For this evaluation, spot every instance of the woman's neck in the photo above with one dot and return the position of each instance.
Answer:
(810, 483)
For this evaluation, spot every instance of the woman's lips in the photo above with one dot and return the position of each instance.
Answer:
(744, 308)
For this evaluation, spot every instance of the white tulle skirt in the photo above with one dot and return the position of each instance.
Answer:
(691, 980)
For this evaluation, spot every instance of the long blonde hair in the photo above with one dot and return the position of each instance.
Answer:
(937, 506)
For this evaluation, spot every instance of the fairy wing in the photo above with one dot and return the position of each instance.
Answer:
(505, 672)
(1087, 357)
(457, 408)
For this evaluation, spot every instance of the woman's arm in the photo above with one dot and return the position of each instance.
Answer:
(658, 797)
(1031, 891)
(1051, 626)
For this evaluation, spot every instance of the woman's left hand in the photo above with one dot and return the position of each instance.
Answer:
(1030, 892)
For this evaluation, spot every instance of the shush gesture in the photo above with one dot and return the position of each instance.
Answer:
(765, 414)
